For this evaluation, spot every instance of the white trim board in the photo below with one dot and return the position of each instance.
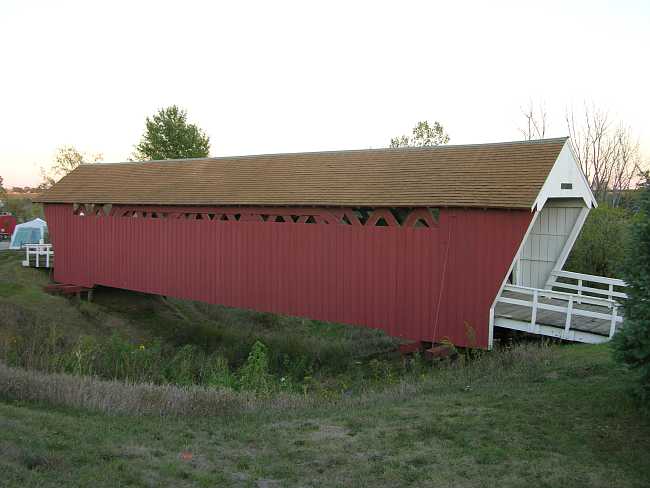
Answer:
(549, 331)
(565, 170)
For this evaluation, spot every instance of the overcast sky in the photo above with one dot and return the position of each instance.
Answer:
(274, 76)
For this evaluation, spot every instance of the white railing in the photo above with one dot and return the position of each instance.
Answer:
(587, 285)
(43, 254)
(563, 303)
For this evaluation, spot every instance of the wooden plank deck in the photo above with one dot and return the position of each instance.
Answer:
(553, 318)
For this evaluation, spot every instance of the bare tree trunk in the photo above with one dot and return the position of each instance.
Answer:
(535, 127)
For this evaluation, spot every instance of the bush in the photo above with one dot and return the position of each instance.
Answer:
(632, 343)
(601, 246)
(254, 375)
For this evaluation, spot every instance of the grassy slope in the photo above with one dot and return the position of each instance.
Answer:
(27, 310)
(573, 425)
(565, 420)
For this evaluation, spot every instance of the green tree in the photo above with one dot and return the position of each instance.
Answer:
(167, 135)
(66, 159)
(601, 247)
(423, 135)
(632, 342)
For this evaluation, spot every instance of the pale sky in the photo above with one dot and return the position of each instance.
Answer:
(275, 76)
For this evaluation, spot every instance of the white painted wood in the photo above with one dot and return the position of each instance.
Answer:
(571, 240)
(612, 327)
(560, 295)
(38, 250)
(549, 331)
(533, 315)
(491, 329)
(565, 170)
(588, 277)
(566, 309)
(611, 293)
(547, 240)
(564, 304)
(587, 289)
(569, 312)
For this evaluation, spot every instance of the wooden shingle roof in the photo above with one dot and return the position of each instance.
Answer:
(501, 175)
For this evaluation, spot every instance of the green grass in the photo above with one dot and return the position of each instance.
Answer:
(570, 423)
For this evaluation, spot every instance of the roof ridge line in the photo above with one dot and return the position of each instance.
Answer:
(339, 151)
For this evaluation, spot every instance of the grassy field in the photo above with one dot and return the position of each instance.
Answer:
(570, 423)
(527, 415)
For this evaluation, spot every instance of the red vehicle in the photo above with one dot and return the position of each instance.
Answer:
(7, 226)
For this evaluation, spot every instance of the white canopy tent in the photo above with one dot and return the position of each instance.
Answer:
(32, 232)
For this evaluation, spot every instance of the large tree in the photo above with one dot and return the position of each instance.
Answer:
(66, 159)
(422, 135)
(168, 135)
(632, 342)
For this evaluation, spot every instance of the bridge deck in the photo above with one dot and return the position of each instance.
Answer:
(579, 317)
(554, 318)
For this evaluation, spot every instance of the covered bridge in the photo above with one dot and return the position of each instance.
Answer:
(424, 243)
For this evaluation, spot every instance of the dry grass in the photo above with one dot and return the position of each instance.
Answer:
(521, 363)
(117, 397)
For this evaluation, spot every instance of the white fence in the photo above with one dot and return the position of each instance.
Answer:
(42, 253)
(587, 285)
(577, 317)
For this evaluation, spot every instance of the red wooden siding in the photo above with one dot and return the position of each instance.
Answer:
(420, 283)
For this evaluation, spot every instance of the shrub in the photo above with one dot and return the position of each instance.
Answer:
(254, 374)
(182, 368)
(600, 249)
(216, 373)
(632, 343)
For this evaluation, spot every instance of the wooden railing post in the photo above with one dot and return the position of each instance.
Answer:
(612, 326)
(579, 289)
(611, 291)
(533, 314)
(569, 312)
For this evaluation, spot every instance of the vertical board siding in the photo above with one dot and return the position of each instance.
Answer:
(416, 283)
(544, 244)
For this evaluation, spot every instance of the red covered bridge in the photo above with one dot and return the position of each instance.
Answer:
(419, 242)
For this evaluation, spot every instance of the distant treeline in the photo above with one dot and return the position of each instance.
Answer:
(22, 206)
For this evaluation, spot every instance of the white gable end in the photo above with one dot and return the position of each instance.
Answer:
(566, 180)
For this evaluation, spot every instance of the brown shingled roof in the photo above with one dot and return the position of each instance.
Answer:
(503, 175)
